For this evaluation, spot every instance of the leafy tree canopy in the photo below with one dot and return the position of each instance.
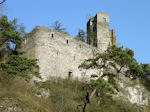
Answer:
(116, 58)
(12, 62)
(113, 61)
(8, 35)
(146, 68)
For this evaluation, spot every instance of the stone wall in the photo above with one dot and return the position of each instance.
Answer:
(58, 54)
(99, 25)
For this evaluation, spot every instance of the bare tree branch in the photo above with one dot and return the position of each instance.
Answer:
(2, 7)
(2, 2)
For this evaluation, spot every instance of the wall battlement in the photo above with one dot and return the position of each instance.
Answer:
(59, 54)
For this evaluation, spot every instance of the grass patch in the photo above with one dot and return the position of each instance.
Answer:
(65, 95)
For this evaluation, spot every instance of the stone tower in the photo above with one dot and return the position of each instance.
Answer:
(98, 33)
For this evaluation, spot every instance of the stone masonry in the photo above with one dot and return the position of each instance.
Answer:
(98, 32)
(60, 55)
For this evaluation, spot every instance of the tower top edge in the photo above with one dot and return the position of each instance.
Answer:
(102, 13)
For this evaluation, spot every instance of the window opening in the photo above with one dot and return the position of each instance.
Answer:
(69, 74)
(52, 35)
(93, 22)
(67, 41)
(104, 19)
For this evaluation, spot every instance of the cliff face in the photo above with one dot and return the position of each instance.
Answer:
(138, 95)
(133, 91)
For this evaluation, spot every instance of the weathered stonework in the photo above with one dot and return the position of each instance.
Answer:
(132, 91)
(98, 27)
(60, 55)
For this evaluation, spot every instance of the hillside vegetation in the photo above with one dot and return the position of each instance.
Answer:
(65, 96)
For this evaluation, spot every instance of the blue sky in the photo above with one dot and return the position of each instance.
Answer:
(130, 18)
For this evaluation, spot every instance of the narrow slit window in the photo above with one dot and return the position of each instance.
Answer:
(67, 41)
(52, 35)
(104, 19)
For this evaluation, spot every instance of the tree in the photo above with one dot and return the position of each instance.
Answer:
(58, 26)
(122, 58)
(81, 35)
(115, 58)
(145, 76)
(112, 63)
(146, 69)
(98, 87)
(8, 36)
(19, 27)
(12, 62)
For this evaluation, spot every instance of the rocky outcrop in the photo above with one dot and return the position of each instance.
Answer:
(133, 91)
(138, 95)
(9, 105)
(43, 93)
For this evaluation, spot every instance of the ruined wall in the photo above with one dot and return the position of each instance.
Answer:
(92, 31)
(103, 35)
(58, 53)
(113, 37)
(99, 27)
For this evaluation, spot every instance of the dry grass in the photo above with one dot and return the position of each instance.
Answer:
(65, 95)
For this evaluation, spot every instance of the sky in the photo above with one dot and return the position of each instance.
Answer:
(129, 18)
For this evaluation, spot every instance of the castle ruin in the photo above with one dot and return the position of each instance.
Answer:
(98, 33)
(60, 55)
